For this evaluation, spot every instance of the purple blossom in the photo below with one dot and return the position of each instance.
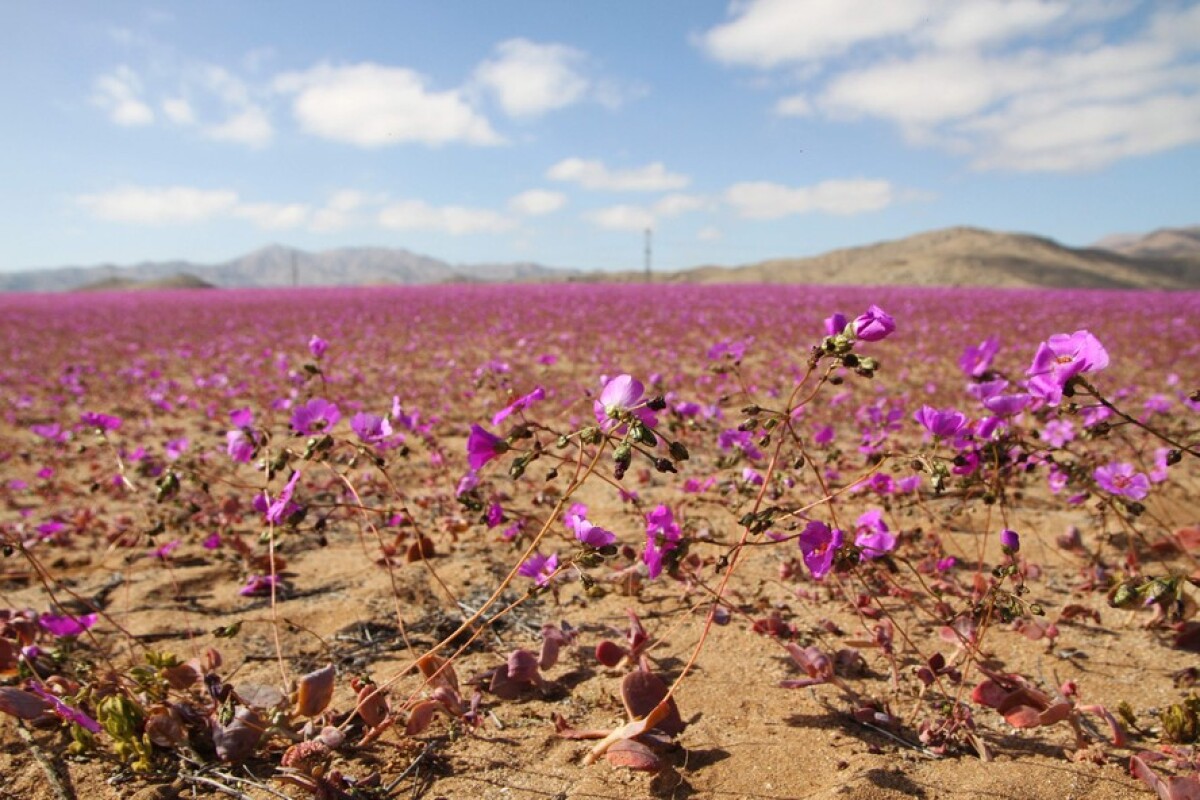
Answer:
(482, 447)
(1120, 478)
(317, 346)
(64, 711)
(1007, 405)
(873, 536)
(101, 422)
(942, 423)
(370, 428)
(835, 324)
(164, 552)
(495, 515)
(539, 567)
(520, 404)
(1057, 432)
(818, 545)
(315, 416)
(60, 625)
(1059, 359)
(240, 447)
(212, 541)
(282, 508)
(175, 448)
(591, 535)
(1010, 540)
(977, 360)
(241, 417)
(259, 585)
(622, 396)
(50, 430)
(874, 325)
(662, 536)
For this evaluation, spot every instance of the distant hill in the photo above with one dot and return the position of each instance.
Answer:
(1162, 243)
(1166, 259)
(274, 265)
(959, 257)
(180, 280)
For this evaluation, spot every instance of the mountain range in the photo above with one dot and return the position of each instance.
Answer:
(961, 256)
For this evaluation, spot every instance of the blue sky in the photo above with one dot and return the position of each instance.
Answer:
(558, 131)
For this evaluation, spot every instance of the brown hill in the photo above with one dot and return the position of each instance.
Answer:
(181, 280)
(960, 257)
(1162, 243)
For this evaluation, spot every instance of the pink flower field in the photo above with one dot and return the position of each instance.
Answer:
(588, 540)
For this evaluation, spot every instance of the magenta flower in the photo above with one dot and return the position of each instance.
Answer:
(874, 325)
(873, 536)
(539, 567)
(64, 711)
(482, 447)
(622, 396)
(59, 625)
(370, 428)
(50, 430)
(175, 448)
(1059, 359)
(317, 346)
(279, 511)
(835, 324)
(976, 361)
(101, 422)
(591, 535)
(520, 404)
(1010, 540)
(495, 515)
(241, 417)
(315, 416)
(818, 545)
(240, 447)
(1120, 478)
(662, 536)
(259, 585)
(941, 423)
(1007, 405)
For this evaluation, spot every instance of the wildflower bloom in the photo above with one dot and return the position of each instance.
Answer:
(977, 360)
(370, 428)
(317, 346)
(818, 545)
(241, 417)
(315, 416)
(1059, 359)
(1010, 540)
(539, 567)
(591, 535)
(662, 536)
(64, 711)
(622, 396)
(873, 536)
(1120, 478)
(835, 324)
(278, 511)
(101, 422)
(239, 446)
(941, 423)
(482, 447)
(520, 404)
(259, 585)
(60, 626)
(1007, 405)
(874, 325)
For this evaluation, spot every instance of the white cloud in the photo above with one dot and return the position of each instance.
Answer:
(765, 200)
(535, 202)
(454, 220)
(274, 216)
(529, 79)
(153, 206)
(709, 233)
(179, 111)
(636, 218)
(621, 218)
(249, 126)
(592, 174)
(1028, 85)
(767, 33)
(371, 105)
(119, 93)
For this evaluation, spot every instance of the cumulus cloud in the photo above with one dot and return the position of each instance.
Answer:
(418, 215)
(371, 105)
(274, 216)
(251, 126)
(529, 79)
(591, 174)
(765, 200)
(172, 205)
(179, 111)
(119, 94)
(535, 202)
(1023, 85)
(635, 218)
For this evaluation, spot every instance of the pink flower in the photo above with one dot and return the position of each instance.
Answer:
(976, 361)
(874, 325)
(520, 404)
(941, 423)
(539, 567)
(1059, 359)
(662, 536)
(317, 346)
(315, 416)
(622, 396)
(591, 535)
(873, 536)
(60, 626)
(101, 422)
(1120, 478)
(482, 447)
(818, 545)
(370, 428)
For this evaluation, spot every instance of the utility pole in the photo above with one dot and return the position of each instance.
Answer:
(649, 235)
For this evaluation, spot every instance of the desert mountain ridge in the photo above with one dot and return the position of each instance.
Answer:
(960, 256)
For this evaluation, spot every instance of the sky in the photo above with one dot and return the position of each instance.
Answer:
(557, 131)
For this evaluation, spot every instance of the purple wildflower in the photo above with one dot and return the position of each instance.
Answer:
(591, 535)
(622, 396)
(1059, 359)
(482, 447)
(819, 544)
(539, 567)
(520, 404)
(873, 536)
(59, 625)
(1120, 478)
(835, 324)
(241, 417)
(976, 361)
(942, 423)
(259, 585)
(662, 536)
(64, 711)
(370, 428)
(874, 325)
(1007, 405)
(101, 422)
(283, 507)
(1010, 540)
(317, 346)
(315, 416)
(240, 446)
